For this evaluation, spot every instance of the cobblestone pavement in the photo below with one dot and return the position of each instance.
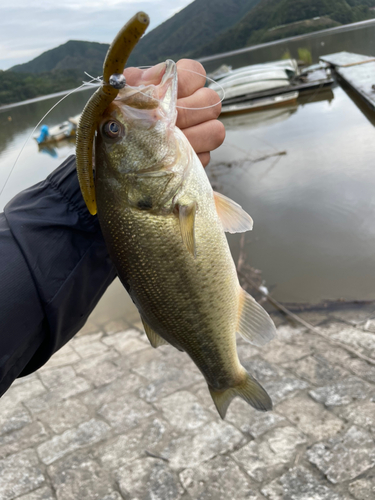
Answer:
(111, 418)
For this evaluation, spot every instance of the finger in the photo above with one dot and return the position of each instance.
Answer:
(132, 75)
(205, 136)
(149, 76)
(202, 98)
(204, 158)
(188, 82)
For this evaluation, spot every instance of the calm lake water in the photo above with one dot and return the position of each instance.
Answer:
(313, 207)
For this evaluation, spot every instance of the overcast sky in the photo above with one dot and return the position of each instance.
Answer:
(27, 30)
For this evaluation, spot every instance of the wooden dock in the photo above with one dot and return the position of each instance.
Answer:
(346, 59)
(357, 71)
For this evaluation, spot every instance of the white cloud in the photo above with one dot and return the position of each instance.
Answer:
(27, 30)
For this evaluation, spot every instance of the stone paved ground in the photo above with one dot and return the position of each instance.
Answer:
(110, 418)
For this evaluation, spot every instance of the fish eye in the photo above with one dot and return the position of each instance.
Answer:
(111, 129)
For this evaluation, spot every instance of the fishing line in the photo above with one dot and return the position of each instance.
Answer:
(40, 121)
(99, 80)
(212, 81)
(93, 82)
(195, 73)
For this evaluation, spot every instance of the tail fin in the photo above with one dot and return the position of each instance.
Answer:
(250, 390)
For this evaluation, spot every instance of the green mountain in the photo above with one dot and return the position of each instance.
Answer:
(63, 67)
(293, 17)
(55, 70)
(87, 56)
(17, 87)
(203, 28)
(188, 30)
(181, 35)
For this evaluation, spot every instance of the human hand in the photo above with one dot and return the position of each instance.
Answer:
(201, 127)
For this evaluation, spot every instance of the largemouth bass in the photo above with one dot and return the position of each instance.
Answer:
(165, 231)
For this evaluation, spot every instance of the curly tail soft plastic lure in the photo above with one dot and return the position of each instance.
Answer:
(113, 80)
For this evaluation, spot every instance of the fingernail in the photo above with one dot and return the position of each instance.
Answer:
(154, 74)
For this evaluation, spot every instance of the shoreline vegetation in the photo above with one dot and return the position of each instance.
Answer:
(46, 96)
(17, 88)
(224, 26)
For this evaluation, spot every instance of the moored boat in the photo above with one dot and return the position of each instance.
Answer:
(289, 65)
(57, 133)
(249, 81)
(263, 82)
(255, 78)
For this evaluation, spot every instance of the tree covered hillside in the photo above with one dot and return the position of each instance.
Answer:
(255, 26)
(17, 87)
(203, 28)
(55, 70)
(189, 30)
(75, 54)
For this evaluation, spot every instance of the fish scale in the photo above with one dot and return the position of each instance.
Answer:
(164, 228)
(148, 253)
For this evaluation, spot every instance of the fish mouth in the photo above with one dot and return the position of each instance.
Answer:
(153, 95)
(150, 104)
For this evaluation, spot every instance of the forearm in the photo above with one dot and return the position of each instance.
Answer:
(54, 268)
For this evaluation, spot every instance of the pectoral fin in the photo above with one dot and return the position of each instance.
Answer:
(187, 221)
(254, 323)
(233, 217)
(153, 337)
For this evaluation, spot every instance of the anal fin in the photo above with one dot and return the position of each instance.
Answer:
(232, 216)
(254, 323)
(249, 390)
(153, 337)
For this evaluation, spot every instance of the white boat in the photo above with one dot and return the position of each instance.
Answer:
(58, 132)
(255, 87)
(234, 85)
(248, 83)
(256, 78)
(289, 65)
(248, 76)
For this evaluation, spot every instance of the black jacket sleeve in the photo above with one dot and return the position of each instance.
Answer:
(54, 267)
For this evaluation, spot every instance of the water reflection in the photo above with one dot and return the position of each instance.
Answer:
(16, 125)
(52, 149)
(312, 207)
(303, 172)
(259, 119)
(15, 121)
(325, 94)
(360, 103)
